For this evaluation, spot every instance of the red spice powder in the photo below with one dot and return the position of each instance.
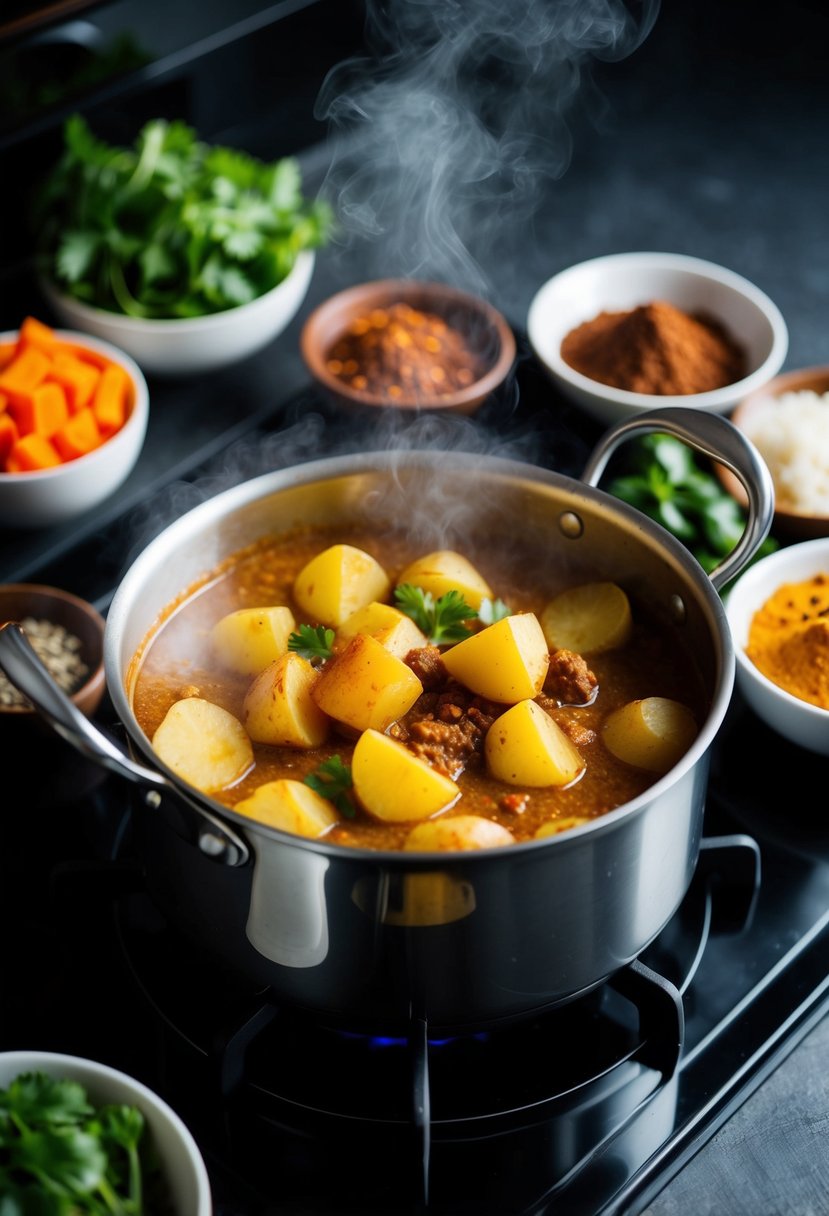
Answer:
(655, 348)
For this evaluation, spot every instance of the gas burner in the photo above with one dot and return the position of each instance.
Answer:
(262, 1079)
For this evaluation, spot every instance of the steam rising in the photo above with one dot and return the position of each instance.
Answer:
(445, 136)
(428, 512)
(456, 119)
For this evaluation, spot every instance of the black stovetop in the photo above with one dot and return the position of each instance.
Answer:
(587, 1111)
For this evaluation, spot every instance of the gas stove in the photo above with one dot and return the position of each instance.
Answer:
(586, 1109)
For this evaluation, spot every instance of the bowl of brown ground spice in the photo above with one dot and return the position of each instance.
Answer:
(631, 331)
(67, 633)
(407, 344)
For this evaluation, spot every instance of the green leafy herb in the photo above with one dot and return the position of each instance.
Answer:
(59, 1155)
(170, 227)
(665, 482)
(492, 611)
(312, 642)
(332, 780)
(442, 620)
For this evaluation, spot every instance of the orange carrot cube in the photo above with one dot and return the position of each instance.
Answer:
(35, 333)
(78, 436)
(77, 378)
(9, 436)
(26, 371)
(30, 453)
(7, 352)
(44, 410)
(110, 400)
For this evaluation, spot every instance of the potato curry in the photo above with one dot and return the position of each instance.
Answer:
(336, 684)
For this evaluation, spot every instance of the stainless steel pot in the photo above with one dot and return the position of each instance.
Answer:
(455, 938)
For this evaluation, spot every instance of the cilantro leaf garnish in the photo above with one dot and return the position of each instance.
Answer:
(332, 780)
(492, 611)
(312, 642)
(442, 619)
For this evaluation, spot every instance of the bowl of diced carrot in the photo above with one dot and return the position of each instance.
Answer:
(73, 416)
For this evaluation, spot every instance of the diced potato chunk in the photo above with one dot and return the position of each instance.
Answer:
(203, 744)
(250, 638)
(397, 632)
(556, 826)
(457, 832)
(505, 662)
(652, 733)
(395, 785)
(337, 582)
(290, 805)
(366, 686)
(279, 708)
(524, 746)
(444, 571)
(588, 619)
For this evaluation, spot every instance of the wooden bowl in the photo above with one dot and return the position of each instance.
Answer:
(79, 618)
(788, 525)
(483, 329)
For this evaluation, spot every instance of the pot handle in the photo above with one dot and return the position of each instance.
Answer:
(21, 663)
(720, 440)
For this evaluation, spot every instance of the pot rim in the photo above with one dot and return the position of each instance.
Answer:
(227, 501)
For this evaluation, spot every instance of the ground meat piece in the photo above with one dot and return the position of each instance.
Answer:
(447, 728)
(569, 680)
(428, 666)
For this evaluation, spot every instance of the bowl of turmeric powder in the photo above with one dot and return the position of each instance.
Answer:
(407, 344)
(631, 331)
(73, 417)
(778, 614)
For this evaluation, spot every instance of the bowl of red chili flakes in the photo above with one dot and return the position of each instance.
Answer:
(409, 345)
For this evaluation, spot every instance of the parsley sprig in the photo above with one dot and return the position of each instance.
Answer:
(332, 780)
(170, 227)
(313, 642)
(59, 1153)
(492, 611)
(441, 619)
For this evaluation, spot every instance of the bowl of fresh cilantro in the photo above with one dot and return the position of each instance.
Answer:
(188, 256)
(78, 1136)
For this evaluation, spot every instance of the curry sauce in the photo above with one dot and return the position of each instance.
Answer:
(177, 661)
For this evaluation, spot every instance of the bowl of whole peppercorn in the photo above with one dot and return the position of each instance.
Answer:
(407, 344)
(635, 331)
(67, 634)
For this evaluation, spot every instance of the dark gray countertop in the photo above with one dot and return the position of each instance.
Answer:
(710, 140)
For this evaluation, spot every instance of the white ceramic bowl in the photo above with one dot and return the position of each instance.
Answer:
(193, 344)
(627, 280)
(798, 721)
(50, 496)
(179, 1154)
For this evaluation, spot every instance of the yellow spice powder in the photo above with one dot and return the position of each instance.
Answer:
(789, 639)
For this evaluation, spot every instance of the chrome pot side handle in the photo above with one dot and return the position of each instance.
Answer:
(23, 666)
(713, 436)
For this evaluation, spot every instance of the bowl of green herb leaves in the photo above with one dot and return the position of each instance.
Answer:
(79, 1137)
(666, 481)
(188, 256)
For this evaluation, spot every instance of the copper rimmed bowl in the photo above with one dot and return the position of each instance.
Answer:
(472, 347)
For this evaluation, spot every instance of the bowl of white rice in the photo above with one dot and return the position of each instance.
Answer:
(788, 422)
